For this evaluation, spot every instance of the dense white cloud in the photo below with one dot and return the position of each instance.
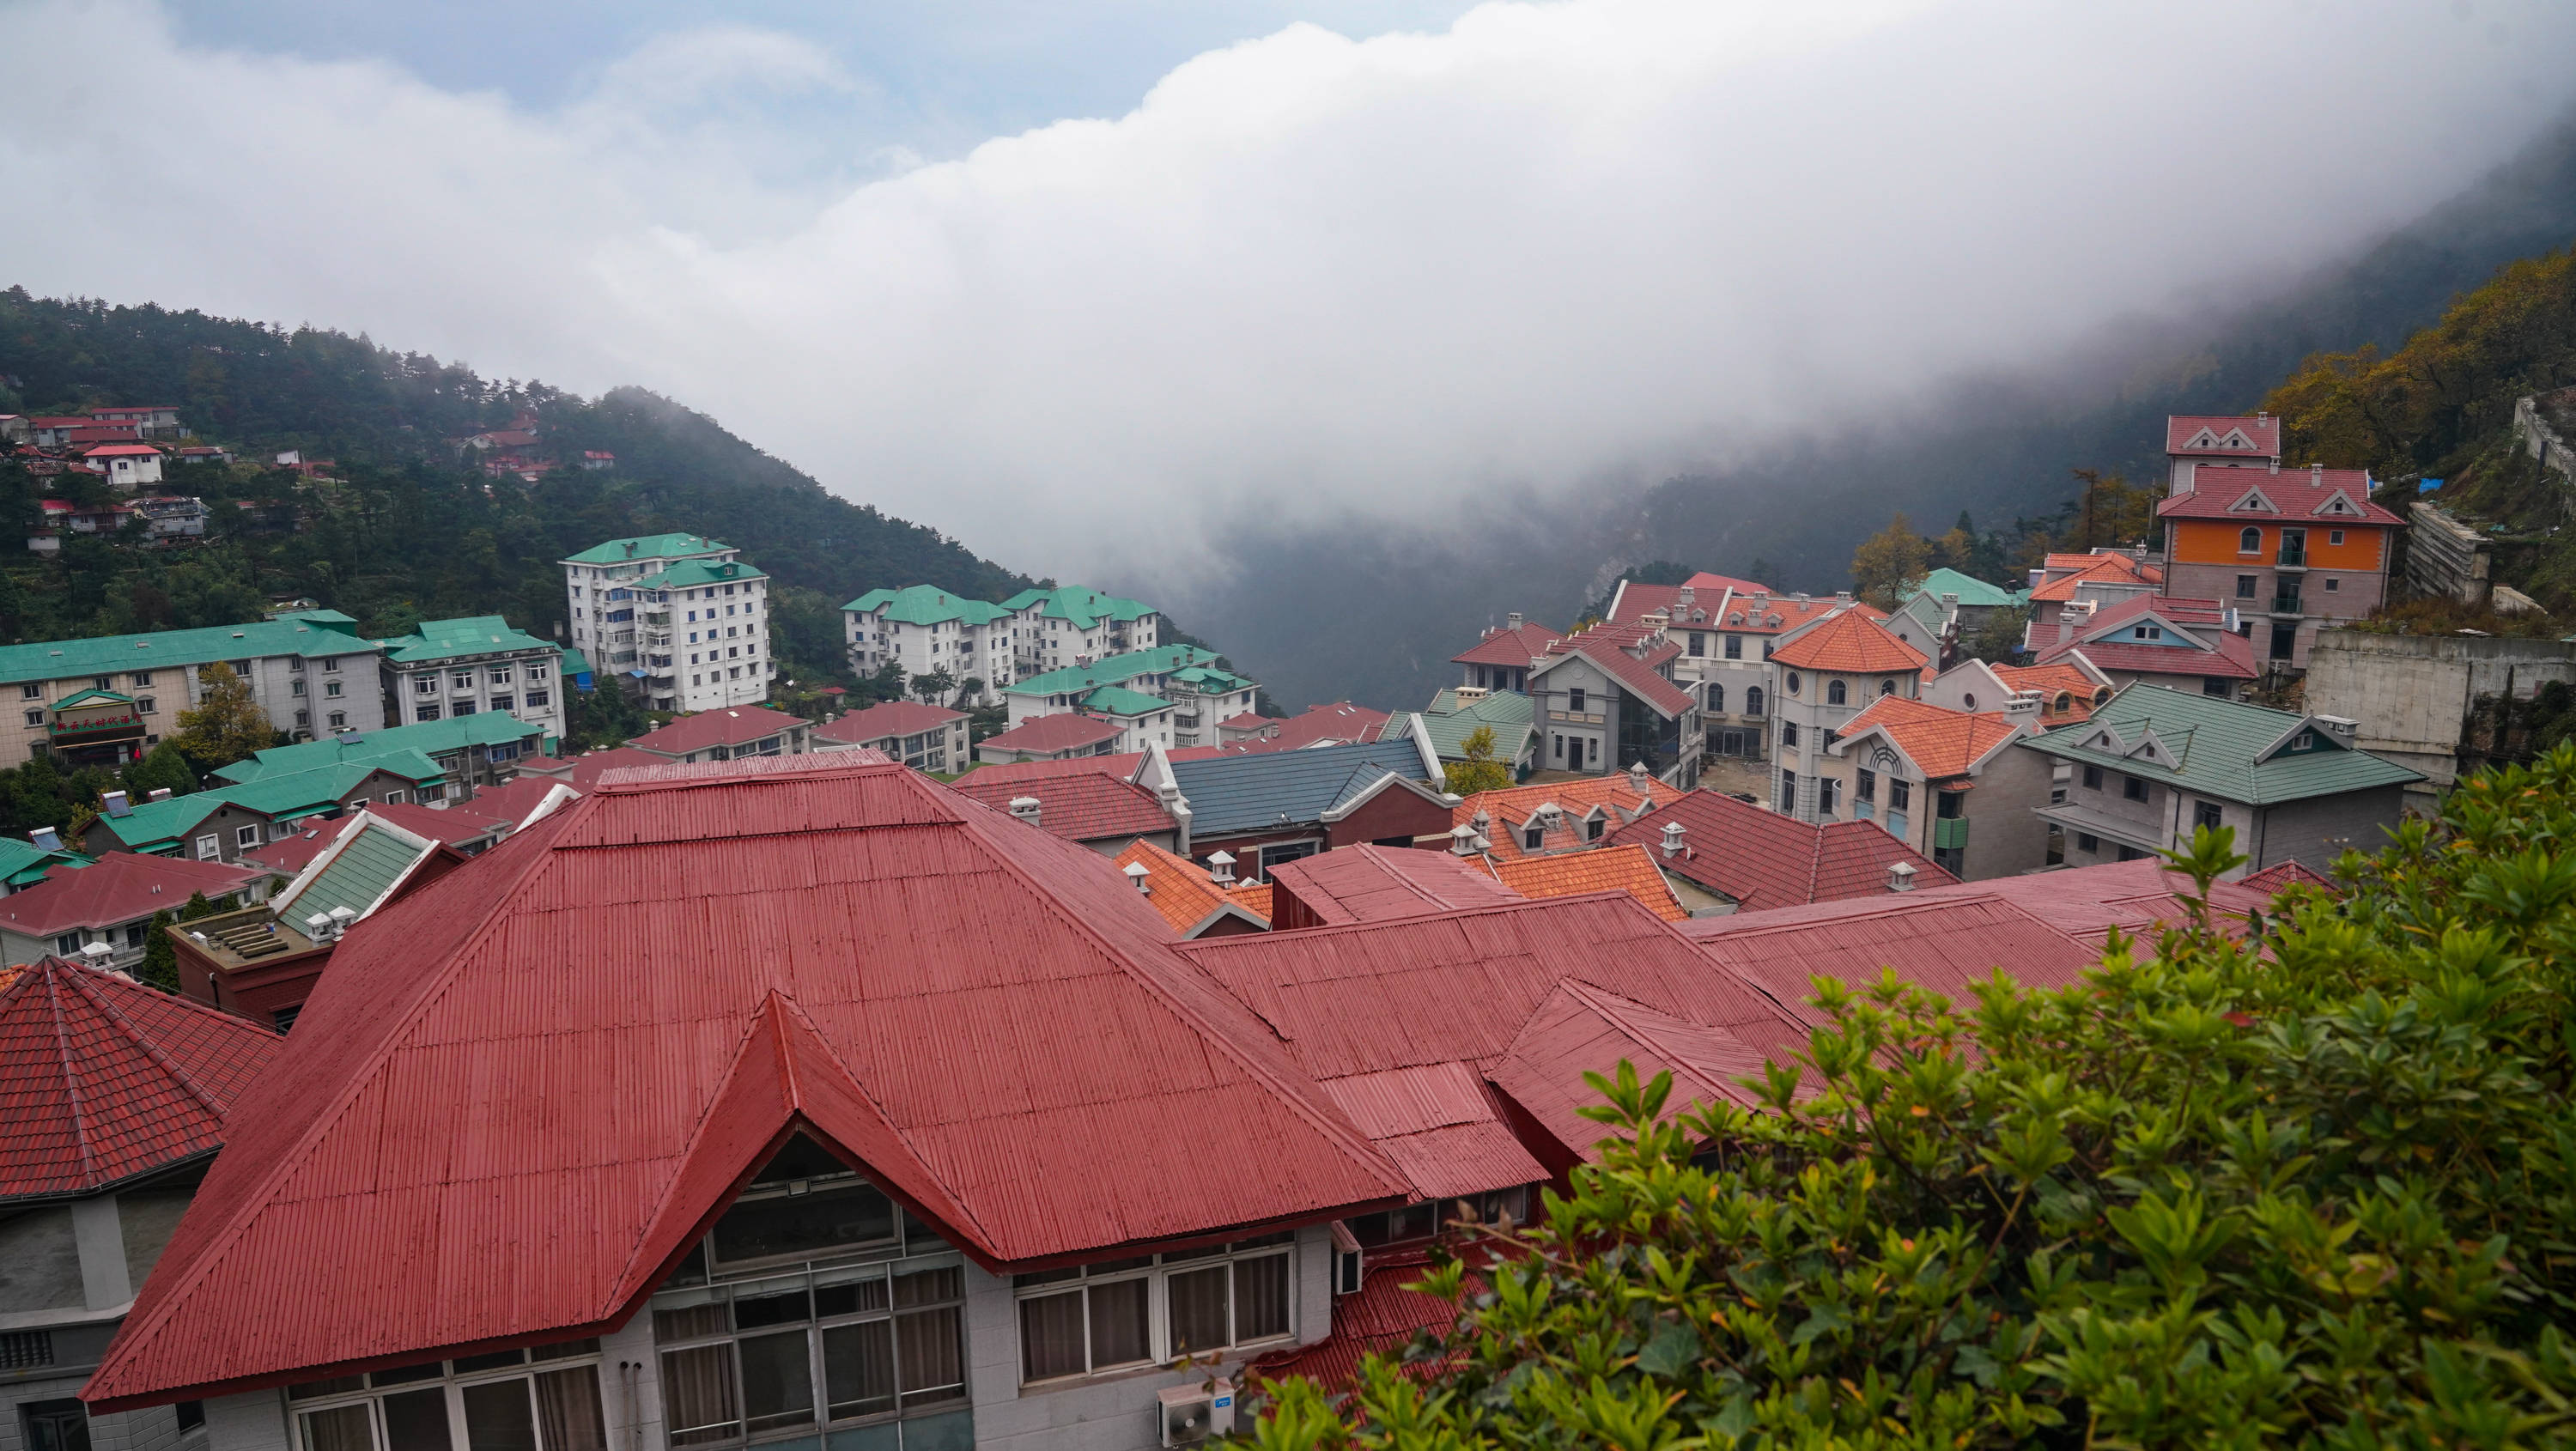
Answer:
(1307, 275)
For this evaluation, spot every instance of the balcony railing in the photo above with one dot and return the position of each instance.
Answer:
(2293, 556)
(2286, 605)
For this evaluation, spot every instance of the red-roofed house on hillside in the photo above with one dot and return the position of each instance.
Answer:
(102, 913)
(1502, 657)
(2193, 442)
(1943, 942)
(2293, 548)
(728, 733)
(1949, 783)
(860, 1186)
(2072, 586)
(152, 420)
(1739, 689)
(1828, 672)
(1605, 700)
(115, 1097)
(128, 466)
(2187, 644)
(1723, 855)
(1061, 737)
(1550, 817)
(924, 737)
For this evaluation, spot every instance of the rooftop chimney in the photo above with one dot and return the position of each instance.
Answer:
(46, 838)
(1842, 597)
(1025, 808)
(1221, 867)
(320, 927)
(1512, 621)
(113, 802)
(1137, 872)
(1673, 832)
(1685, 596)
(1462, 840)
(1637, 777)
(1900, 877)
(2021, 707)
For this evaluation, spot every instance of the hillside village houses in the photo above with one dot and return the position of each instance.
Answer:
(679, 619)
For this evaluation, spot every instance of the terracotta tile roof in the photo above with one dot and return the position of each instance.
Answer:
(1629, 869)
(1850, 642)
(2298, 495)
(1378, 884)
(1708, 599)
(737, 725)
(102, 1078)
(1769, 614)
(1941, 741)
(1074, 805)
(1340, 723)
(1763, 859)
(2052, 681)
(1581, 1029)
(1015, 1089)
(1507, 647)
(122, 887)
(1942, 943)
(1048, 734)
(1508, 812)
(2067, 571)
(887, 718)
(1186, 896)
(2184, 435)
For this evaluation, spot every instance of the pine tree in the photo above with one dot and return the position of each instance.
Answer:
(160, 956)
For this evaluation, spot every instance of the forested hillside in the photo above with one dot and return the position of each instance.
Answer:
(409, 530)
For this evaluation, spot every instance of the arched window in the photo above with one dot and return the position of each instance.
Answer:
(1794, 682)
(2250, 542)
(1834, 693)
(2064, 703)
(1887, 686)
(1753, 700)
(1716, 698)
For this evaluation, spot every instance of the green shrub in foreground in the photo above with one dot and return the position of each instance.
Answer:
(2319, 1189)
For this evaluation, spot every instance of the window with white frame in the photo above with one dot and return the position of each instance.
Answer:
(546, 1399)
(246, 837)
(1126, 1313)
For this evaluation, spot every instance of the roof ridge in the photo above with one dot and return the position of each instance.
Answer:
(71, 1075)
(151, 1050)
(1592, 995)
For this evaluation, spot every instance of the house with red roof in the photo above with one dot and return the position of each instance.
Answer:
(1948, 782)
(1827, 672)
(1738, 688)
(128, 466)
(1723, 855)
(728, 733)
(1337, 724)
(1367, 883)
(2194, 442)
(924, 737)
(149, 419)
(1197, 900)
(1549, 818)
(2294, 549)
(117, 1097)
(1062, 737)
(1630, 869)
(1605, 700)
(2187, 644)
(1502, 657)
(101, 914)
(1095, 803)
(2065, 590)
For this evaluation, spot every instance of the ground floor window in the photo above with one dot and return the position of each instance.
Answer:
(1154, 1308)
(546, 1399)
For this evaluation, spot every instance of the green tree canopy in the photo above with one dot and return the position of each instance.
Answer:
(160, 956)
(1479, 771)
(1889, 563)
(226, 725)
(2314, 1188)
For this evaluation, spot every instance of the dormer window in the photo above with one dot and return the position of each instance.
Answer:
(1534, 837)
(2150, 632)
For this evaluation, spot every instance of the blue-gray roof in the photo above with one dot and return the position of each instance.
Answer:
(1286, 788)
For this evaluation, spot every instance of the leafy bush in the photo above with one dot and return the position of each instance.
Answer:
(2315, 1189)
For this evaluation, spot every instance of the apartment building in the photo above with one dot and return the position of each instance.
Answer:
(679, 619)
(2154, 763)
(1828, 673)
(1075, 625)
(924, 630)
(2295, 550)
(117, 1096)
(724, 735)
(1184, 678)
(1738, 688)
(308, 671)
(463, 667)
(924, 737)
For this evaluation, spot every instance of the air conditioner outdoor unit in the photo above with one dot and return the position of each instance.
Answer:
(1193, 1413)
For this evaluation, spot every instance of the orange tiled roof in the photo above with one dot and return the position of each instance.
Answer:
(1629, 869)
(1850, 641)
(2053, 681)
(1944, 742)
(1508, 810)
(1184, 893)
(1767, 614)
(2082, 567)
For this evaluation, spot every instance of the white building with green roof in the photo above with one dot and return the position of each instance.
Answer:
(678, 619)
(309, 672)
(925, 629)
(1182, 677)
(447, 669)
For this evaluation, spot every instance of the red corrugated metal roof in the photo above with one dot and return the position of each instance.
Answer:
(2139, 898)
(1381, 884)
(456, 826)
(121, 887)
(1049, 733)
(1441, 1125)
(1340, 723)
(1941, 943)
(736, 725)
(2282, 876)
(890, 718)
(1764, 859)
(532, 1082)
(582, 772)
(1581, 1029)
(1075, 805)
(1381, 1319)
(102, 1078)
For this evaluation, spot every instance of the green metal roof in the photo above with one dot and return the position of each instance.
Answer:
(84, 697)
(1115, 670)
(2221, 748)
(23, 863)
(574, 663)
(1969, 589)
(1208, 680)
(923, 604)
(1117, 700)
(1448, 724)
(331, 619)
(429, 738)
(1084, 607)
(447, 639)
(284, 794)
(166, 820)
(692, 573)
(362, 868)
(171, 649)
(647, 546)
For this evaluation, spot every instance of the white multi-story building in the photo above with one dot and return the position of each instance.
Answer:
(677, 618)
(451, 668)
(1184, 677)
(308, 671)
(1060, 628)
(924, 630)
